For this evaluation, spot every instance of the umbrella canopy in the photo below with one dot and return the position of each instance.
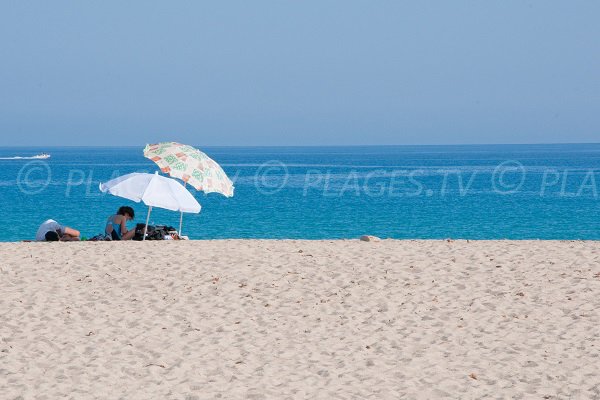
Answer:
(191, 166)
(154, 190)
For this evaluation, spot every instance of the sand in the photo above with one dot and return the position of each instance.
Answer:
(253, 319)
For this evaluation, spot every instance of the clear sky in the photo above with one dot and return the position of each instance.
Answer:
(301, 72)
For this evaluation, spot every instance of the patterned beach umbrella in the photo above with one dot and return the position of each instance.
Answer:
(191, 166)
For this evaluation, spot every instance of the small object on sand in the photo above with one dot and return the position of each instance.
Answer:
(472, 376)
(155, 365)
(369, 238)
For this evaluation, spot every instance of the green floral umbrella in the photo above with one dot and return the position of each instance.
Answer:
(191, 166)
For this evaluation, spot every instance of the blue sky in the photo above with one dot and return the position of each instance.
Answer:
(299, 72)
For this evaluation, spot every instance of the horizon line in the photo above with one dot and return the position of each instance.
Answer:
(317, 145)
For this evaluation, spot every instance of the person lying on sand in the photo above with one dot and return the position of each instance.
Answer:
(116, 225)
(52, 231)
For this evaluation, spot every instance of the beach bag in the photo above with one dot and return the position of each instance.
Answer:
(162, 232)
(139, 232)
(158, 232)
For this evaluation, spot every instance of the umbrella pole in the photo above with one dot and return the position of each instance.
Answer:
(147, 221)
(180, 223)
(181, 214)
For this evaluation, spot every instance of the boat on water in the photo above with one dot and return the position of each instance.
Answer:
(43, 156)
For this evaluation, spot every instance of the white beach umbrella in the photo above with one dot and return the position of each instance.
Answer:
(155, 191)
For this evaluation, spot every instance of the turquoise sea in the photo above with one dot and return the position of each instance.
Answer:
(475, 192)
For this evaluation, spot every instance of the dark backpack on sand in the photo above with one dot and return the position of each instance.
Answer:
(139, 232)
(157, 232)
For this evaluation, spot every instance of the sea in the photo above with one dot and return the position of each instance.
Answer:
(402, 192)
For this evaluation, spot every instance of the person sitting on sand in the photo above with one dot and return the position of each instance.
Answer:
(52, 231)
(116, 225)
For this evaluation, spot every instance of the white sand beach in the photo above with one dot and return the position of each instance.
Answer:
(263, 319)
